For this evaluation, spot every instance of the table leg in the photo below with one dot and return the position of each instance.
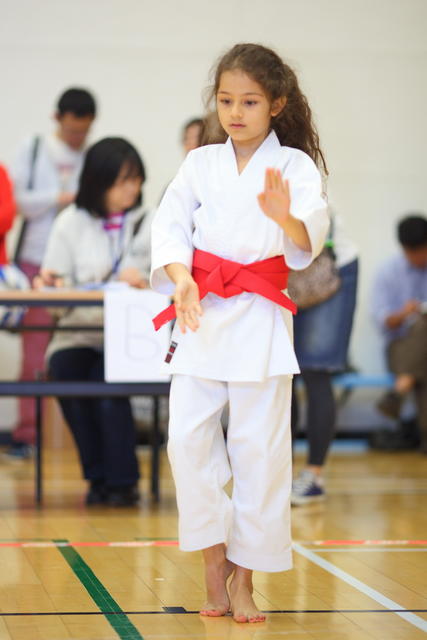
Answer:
(39, 445)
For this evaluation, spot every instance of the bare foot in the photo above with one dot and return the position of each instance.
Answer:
(216, 576)
(242, 604)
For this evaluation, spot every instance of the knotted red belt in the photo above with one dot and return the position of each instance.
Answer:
(226, 278)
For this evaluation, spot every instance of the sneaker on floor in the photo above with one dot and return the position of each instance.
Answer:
(307, 488)
(127, 496)
(97, 494)
(19, 451)
(390, 404)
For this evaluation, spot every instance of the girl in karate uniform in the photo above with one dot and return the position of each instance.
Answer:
(237, 216)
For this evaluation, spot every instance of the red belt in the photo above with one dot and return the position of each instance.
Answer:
(226, 278)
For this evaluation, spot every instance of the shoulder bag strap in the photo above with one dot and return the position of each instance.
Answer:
(30, 187)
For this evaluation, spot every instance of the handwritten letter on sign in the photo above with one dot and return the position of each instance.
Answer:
(134, 352)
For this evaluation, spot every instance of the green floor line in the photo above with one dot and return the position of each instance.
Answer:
(99, 594)
(25, 539)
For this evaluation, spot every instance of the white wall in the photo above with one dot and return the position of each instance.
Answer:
(362, 64)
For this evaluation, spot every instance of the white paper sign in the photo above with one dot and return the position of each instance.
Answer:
(134, 351)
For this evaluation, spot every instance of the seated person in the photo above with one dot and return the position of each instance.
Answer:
(399, 308)
(95, 240)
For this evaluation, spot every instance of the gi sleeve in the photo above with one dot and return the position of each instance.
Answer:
(32, 203)
(172, 228)
(308, 205)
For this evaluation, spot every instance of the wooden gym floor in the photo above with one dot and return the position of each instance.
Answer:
(96, 574)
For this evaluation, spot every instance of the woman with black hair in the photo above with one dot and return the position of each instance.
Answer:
(96, 240)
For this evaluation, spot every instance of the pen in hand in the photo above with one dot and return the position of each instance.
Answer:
(48, 278)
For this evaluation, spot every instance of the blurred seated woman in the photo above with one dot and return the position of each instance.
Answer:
(94, 241)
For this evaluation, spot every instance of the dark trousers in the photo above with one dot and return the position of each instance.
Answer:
(103, 428)
(321, 414)
(409, 355)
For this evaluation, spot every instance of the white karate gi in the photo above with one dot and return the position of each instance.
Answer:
(244, 343)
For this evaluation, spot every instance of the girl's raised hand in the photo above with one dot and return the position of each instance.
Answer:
(187, 304)
(275, 200)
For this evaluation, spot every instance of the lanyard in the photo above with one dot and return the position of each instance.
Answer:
(116, 248)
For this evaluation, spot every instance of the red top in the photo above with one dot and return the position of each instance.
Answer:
(226, 278)
(7, 211)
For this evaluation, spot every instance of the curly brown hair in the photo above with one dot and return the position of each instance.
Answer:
(294, 125)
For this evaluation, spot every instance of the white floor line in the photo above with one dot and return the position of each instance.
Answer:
(412, 618)
(350, 549)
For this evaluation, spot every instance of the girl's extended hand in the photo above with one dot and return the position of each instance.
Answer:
(187, 304)
(275, 200)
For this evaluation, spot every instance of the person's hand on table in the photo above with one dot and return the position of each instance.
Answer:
(47, 278)
(133, 277)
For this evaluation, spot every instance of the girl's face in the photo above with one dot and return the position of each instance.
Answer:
(124, 192)
(244, 110)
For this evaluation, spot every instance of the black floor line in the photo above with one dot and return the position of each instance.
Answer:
(181, 610)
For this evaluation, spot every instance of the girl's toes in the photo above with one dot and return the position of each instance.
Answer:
(257, 618)
(213, 612)
(240, 618)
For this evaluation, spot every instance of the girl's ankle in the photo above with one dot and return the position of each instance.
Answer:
(242, 578)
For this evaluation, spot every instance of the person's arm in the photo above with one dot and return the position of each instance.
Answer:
(58, 264)
(7, 203)
(172, 246)
(36, 202)
(386, 305)
(275, 201)
(396, 319)
(297, 206)
(172, 228)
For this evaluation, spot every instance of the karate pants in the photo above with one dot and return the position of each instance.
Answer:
(255, 523)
